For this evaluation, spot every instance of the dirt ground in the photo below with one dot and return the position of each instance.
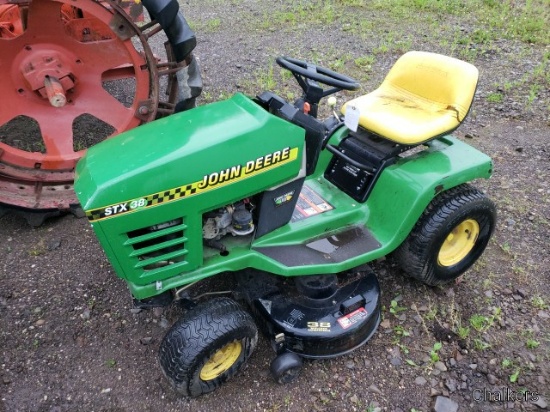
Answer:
(71, 340)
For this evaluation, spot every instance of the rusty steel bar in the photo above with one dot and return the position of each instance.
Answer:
(55, 92)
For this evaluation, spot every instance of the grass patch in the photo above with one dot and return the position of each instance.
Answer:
(535, 80)
(481, 345)
(532, 343)
(495, 97)
(299, 13)
(538, 302)
(527, 21)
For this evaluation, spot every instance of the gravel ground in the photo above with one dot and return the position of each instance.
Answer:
(71, 340)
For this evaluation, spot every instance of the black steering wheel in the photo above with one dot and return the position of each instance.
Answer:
(307, 75)
(308, 71)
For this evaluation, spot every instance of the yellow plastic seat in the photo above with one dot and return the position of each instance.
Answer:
(424, 95)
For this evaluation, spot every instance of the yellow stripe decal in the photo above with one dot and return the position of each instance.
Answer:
(208, 182)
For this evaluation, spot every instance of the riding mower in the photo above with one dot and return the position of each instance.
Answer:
(294, 208)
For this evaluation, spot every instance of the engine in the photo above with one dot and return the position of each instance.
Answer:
(234, 219)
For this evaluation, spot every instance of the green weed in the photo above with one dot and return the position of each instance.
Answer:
(38, 249)
(463, 332)
(538, 302)
(532, 344)
(431, 314)
(213, 25)
(495, 97)
(481, 345)
(266, 80)
(395, 309)
(364, 62)
(479, 322)
(482, 323)
(434, 353)
(506, 248)
(110, 363)
(287, 400)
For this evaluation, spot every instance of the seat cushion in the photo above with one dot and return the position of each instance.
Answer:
(423, 96)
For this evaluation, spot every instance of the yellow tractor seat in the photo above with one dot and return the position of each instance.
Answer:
(424, 95)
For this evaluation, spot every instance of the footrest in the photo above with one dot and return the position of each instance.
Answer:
(335, 248)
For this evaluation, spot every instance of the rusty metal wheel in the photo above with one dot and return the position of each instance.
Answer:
(10, 21)
(73, 73)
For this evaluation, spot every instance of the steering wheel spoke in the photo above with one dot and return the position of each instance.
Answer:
(300, 79)
(330, 91)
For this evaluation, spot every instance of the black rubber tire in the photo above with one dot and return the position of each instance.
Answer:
(418, 254)
(200, 333)
(286, 367)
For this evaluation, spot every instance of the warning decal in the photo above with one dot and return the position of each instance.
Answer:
(309, 204)
(352, 318)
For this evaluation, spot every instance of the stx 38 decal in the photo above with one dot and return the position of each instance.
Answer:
(208, 182)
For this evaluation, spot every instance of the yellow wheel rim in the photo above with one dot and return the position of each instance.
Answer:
(221, 361)
(458, 243)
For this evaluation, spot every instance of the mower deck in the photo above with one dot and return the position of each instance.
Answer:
(311, 319)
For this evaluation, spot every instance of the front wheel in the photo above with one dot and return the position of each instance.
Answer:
(449, 237)
(207, 346)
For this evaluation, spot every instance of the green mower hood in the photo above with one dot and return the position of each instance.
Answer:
(211, 145)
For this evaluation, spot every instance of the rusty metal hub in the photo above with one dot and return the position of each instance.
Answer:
(72, 73)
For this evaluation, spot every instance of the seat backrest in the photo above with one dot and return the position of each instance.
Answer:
(435, 78)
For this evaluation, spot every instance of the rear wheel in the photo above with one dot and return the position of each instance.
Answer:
(207, 346)
(74, 73)
(449, 237)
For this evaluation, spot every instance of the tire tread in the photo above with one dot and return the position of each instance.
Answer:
(188, 340)
(412, 254)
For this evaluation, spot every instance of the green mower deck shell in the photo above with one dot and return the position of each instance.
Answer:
(235, 132)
